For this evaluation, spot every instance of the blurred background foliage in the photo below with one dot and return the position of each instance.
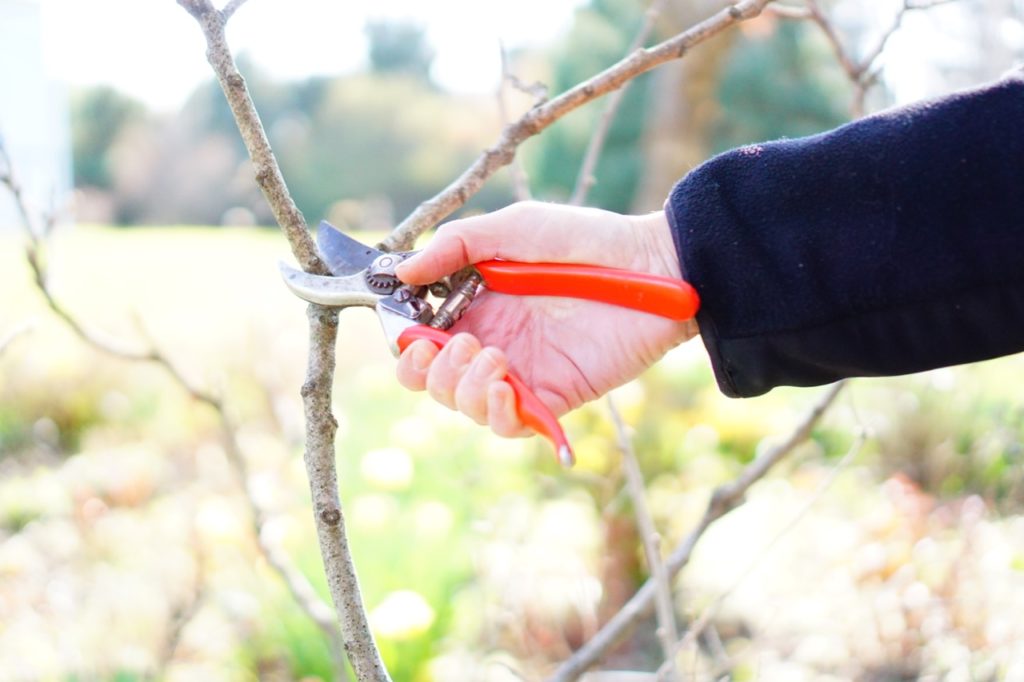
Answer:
(364, 149)
(126, 552)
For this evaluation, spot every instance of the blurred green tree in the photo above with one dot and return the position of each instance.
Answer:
(781, 83)
(600, 35)
(98, 115)
(377, 136)
(399, 47)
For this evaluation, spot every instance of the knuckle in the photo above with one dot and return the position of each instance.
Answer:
(504, 430)
(468, 401)
(522, 209)
(439, 384)
(407, 377)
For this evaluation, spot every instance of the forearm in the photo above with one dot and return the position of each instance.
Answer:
(890, 245)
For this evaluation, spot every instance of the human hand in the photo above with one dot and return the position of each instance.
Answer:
(567, 350)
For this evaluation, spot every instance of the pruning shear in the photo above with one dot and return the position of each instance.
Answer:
(365, 276)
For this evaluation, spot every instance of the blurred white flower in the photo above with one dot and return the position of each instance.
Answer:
(373, 512)
(402, 615)
(433, 519)
(387, 468)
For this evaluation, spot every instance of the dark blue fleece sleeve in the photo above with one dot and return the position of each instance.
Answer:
(890, 245)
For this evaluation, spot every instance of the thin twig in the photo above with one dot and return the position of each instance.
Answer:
(664, 609)
(185, 611)
(432, 211)
(634, 478)
(723, 499)
(703, 621)
(520, 184)
(34, 231)
(860, 72)
(12, 336)
(300, 588)
(586, 178)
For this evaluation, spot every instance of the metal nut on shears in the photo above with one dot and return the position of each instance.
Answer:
(380, 275)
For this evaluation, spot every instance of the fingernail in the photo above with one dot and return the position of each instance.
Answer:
(404, 265)
(421, 358)
(461, 353)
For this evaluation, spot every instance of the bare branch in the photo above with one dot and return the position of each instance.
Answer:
(268, 173)
(316, 391)
(231, 8)
(197, 7)
(702, 622)
(537, 90)
(298, 585)
(12, 336)
(723, 500)
(520, 184)
(586, 179)
(664, 609)
(36, 261)
(184, 611)
(860, 72)
(432, 211)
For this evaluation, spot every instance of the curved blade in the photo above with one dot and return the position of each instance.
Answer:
(343, 255)
(337, 292)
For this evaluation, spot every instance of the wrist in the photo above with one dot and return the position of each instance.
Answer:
(655, 237)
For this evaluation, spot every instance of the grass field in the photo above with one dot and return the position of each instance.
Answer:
(118, 508)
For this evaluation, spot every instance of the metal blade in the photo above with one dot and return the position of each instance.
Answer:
(393, 325)
(337, 292)
(344, 255)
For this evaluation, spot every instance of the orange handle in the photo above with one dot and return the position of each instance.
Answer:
(663, 296)
(532, 411)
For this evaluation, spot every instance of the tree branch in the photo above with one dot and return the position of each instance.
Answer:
(702, 622)
(725, 498)
(321, 427)
(432, 211)
(317, 389)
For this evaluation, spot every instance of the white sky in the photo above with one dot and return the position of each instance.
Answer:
(153, 50)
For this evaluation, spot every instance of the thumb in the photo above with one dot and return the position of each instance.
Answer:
(456, 245)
